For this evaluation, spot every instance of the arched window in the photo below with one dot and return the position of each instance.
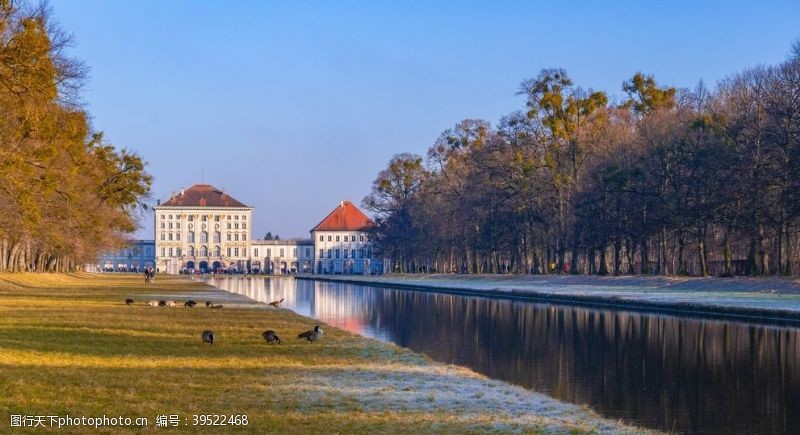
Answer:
(191, 251)
(203, 237)
(216, 237)
(216, 251)
(203, 251)
(190, 237)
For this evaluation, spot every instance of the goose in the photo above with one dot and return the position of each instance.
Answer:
(208, 337)
(276, 304)
(170, 303)
(216, 307)
(190, 304)
(129, 301)
(271, 337)
(162, 303)
(152, 303)
(312, 335)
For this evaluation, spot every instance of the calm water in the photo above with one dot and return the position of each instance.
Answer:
(668, 372)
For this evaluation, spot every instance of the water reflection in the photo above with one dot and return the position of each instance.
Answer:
(661, 371)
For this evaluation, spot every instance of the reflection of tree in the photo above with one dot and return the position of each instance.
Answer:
(668, 372)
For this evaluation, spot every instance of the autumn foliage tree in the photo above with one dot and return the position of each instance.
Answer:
(665, 181)
(65, 194)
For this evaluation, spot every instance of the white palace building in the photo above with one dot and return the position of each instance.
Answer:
(204, 229)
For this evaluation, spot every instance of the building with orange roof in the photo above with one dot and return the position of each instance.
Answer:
(204, 229)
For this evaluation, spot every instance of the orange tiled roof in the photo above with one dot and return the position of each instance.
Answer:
(345, 217)
(202, 195)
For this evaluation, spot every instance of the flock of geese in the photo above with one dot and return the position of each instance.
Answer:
(207, 336)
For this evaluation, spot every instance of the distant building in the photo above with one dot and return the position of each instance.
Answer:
(342, 244)
(204, 229)
(134, 257)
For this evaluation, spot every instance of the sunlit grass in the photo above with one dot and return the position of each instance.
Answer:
(70, 346)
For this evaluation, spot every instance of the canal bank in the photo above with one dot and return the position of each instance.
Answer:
(773, 300)
(70, 345)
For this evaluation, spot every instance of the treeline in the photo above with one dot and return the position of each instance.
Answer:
(665, 181)
(65, 194)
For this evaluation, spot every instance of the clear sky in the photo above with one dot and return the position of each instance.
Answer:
(293, 106)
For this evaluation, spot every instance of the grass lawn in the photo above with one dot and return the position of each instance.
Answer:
(70, 346)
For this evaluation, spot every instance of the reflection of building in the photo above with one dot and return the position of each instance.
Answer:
(204, 229)
(342, 244)
(134, 257)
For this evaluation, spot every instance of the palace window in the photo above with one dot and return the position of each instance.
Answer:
(229, 252)
(321, 238)
(216, 218)
(330, 239)
(229, 225)
(337, 238)
(229, 237)
(229, 217)
(216, 237)
(235, 252)
(163, 237)
(204, 237)
(269, 252)
(169, 252)
(204, 218)
(244, 226)
(329, 253)
(203, 251)
(178, 236)
(236, 225)
(244, 217)
(216, 251)
(170, 216)
(321, 253)
(170, 225)
(236, 237)
(353, 253)
(353, 238)
(244, 237)
(163, 225)
(190, 237)
(346, 252)
(255, 252)
(281, 252)
(337, 253)
(163, 252)
(178, 252)
(191, 218)
(191, 251)
(170, 236)
(294, 252)
(236, 217)
(162, 216)
(178, 225)
(361, 237)
(308, 252)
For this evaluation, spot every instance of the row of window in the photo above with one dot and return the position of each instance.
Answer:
(280, 252)
(348, 253)
(202, 252)
(177, 226)
(361, 238)
(204, 237)
(203, 218)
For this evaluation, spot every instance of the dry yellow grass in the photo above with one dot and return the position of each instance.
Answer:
(70, 346)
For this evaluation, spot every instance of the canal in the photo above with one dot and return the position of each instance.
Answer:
(668, 372)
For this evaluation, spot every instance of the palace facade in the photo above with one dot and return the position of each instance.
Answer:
(202, 228)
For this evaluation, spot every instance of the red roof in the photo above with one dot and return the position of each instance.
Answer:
(345, 217)
(202, 195)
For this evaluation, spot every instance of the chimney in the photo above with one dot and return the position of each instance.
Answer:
(341, 203)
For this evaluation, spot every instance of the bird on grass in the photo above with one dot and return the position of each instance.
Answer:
(162, 303)
(170, 303)
(208, 337)
(313, 335)
(129, 301)
(215, 307)
(190, 304)
(152, 303)
(209, 303)
(276, 304)
(271, 337)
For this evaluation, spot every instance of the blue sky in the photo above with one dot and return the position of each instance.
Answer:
(293, 106)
